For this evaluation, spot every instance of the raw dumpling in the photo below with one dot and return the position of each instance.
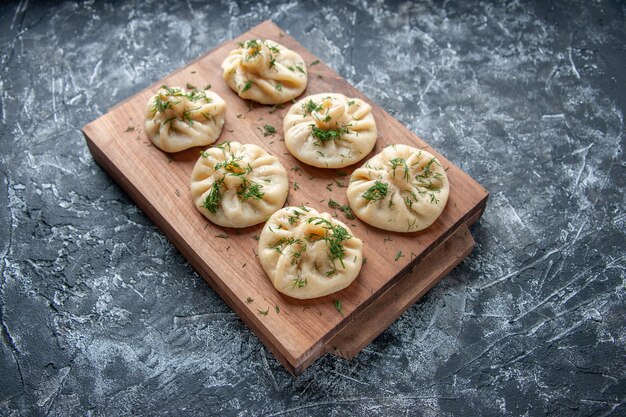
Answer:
(307, 254)
(330, 130)
(177, 119)
(238, 185)
(265, 71)
(402, 189)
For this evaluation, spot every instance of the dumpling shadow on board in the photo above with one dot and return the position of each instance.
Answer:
(188, 155)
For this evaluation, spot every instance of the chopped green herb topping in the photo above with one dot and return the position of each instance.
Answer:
(187, 115)
(338, 306)
(310, 106)
(250, 190)
(254, 49)
(322, 136)
(376, 192)
(273, 48)
(276, 107)
(281, 243)
(295, 217)
(334, 236)
(347, 211)
(269, 130)
(213, 199)
(169, 95)
(232, 166)
(400, 162)
(298, 282)
(247, 86)
(398, 255)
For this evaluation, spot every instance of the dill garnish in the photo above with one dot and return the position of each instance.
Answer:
(310, 106)
(338, 306)
(269, 130)
(347, 211)
(334, 237)
(298, 282)
(396, 162)
(322, 136)
(247, 86)
(213, 199)
(250, 190)
(376, 192)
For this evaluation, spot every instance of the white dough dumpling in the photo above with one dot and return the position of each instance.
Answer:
(265, 71)
(307, 254)
(402, 189)
(330, 130)
(238, 185)
(177, 119)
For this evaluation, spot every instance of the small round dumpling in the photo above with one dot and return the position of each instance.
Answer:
(265, 71)
(330, 130)
(402, 189)
(177, 119)
(238, 185)
(307, 254)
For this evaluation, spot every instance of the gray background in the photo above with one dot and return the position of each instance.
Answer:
(101, 315)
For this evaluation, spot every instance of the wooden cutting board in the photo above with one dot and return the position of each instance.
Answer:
(296, 331)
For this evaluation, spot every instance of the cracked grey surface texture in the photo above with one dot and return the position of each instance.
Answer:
(102, 316)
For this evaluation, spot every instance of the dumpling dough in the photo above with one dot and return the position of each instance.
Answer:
(238, 185)
(307, 254)
(330, 130)
(402, 189)
(177, 119)
(265, 71)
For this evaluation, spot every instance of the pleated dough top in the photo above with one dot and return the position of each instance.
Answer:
(238, 185)
(330, 130)
(265, 71)
(177, 119)
(402, 189)
(307, 254)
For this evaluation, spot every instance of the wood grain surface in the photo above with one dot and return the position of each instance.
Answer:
(296, 331)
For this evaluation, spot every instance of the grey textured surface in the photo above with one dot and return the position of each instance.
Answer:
(100, 314)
